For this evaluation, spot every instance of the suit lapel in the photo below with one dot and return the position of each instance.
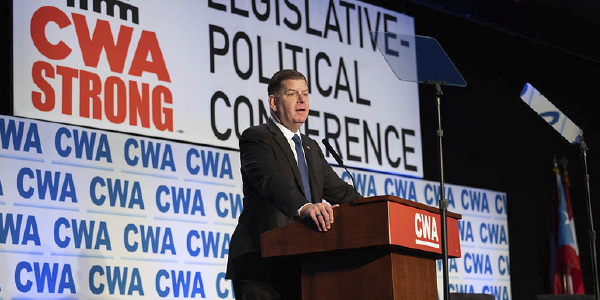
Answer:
(287, 151)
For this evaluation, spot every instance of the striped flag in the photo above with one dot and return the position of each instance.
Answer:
(566, 276)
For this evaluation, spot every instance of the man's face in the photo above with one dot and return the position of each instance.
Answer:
(291, 103)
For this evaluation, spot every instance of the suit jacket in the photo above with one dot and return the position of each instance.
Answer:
(273, 193)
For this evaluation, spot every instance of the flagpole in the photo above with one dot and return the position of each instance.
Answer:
(568, 284)
(592, 232)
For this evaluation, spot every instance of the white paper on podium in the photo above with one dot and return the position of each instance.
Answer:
(559, 121)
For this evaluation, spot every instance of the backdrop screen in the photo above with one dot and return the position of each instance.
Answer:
(119, 173)
(197, 71)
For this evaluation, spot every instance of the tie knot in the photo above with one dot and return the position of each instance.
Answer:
(296, 139)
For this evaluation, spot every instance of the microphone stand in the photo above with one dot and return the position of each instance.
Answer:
(340, 162)
(443, 204)
(592, 232)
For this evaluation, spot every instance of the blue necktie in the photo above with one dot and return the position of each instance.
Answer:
(302, 166)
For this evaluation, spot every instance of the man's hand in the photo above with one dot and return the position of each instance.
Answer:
(320, 213)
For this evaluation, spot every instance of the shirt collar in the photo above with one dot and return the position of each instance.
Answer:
(286, 132)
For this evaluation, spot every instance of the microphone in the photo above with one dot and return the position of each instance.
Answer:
(335, 155)
(340, 162)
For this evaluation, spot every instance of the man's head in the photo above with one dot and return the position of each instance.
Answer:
(288, 98)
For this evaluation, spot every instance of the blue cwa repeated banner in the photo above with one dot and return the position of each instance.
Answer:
(93, 214)
(87, 213)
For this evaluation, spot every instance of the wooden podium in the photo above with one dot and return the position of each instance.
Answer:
(382, 247)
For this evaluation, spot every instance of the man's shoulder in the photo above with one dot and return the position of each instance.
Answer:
(257, 129)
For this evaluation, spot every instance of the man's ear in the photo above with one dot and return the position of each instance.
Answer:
(273, 102)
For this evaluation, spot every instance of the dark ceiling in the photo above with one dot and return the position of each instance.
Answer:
(566, 25)
(566, 31)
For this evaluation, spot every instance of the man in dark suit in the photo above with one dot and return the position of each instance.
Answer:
(273, 165)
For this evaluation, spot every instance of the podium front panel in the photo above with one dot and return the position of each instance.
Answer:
(420, 229)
